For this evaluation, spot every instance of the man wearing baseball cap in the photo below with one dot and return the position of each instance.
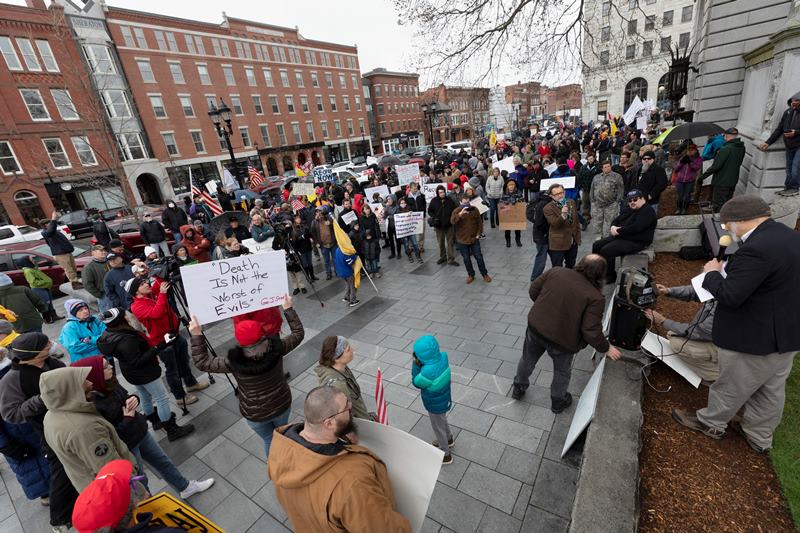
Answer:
(755, 327)
(725, 169)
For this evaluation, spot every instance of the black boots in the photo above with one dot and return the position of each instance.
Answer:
(154, 420)
(51, 316)
(174, 431)
(558, 405)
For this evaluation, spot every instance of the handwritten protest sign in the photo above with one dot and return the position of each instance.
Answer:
(302, 189)
(350, 217)
(230, 287)
(258, 247)
(568, 182)
(429, 190)
(322, 174)
(513, 216)
(479, 205)
(380, 214)
(410, 223)
(211, 186)
(171, 512)
(383, 190)
(407, 173)
(506, 164)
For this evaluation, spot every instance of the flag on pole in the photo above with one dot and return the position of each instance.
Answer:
(298, 170)
(256, 178)
(380, 401)
(229, 181)
(297, 205)
(614, 128)
(346, 246)
(207, 198)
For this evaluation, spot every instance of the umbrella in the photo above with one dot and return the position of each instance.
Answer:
(247, 193)
(221, 223)
(389, 161)
(691, 130)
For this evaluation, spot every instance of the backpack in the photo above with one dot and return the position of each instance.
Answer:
(535, 214)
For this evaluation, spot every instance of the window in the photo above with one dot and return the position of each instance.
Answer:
(346, 103)
(383, 127)
(379, 109)
(310, 131)
(606, 9)
(342, 81)
(48, 58)
(329, 80)
(264, 129)
(236, 105)
(337, 128)
(304, 104)
(169, 142)
(268, 77)
(649, 22)
(311, 57)
(281, 134)
(250, 75)
(289, 103)
(140, 39)
(279, 54)
(8, 160)
(605, 33)
(160, 41)
(394, 90)
(350, 127)
(131, 146)
(666, 43)
(186, 104)
(146, 70)
(354, 81)
(630, 51)
(197, 140)
(177, 73)
(28, 54)
(127, 36)
(298, 137)
(99, 59)
(257, 105)
(284, 78)
(35, 104)
(245, 134)
(273, 100)
(377, 91)
(227, 71)
(320, 107)
(201, 48)
(189, 43)
(211, 101)
(56, 152)
(647, 49)
(361, 128)
(602, 109)
(683, 40)
(215, 45)
(666, 20)
(223, 144)
(686, 13)
(324, 127)
(632, 26)
(298, 78)
(202, 71)
(116, 103)
(604, 57)
(314, 79)
(332, 100)
(603, 85)
(84, 151)
(9, 54)
(358, 103)
(635, 87)
(64, 104)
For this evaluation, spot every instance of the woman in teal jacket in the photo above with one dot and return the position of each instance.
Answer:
(431, 374)
(81, 331)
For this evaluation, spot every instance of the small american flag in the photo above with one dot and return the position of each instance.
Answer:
(256, 178)
(297, 205)
(380, 401)
(209, 200)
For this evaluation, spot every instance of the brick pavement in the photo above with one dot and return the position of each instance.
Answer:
(507, 474)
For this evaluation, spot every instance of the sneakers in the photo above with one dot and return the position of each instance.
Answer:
(447, 459)
(487, 278)
(353, 304)
(453, 263)
(196, 486)
(441, 261)
(45, 501)
(304, 290)
(190, 399)
(788, 192)
(685, 418)
(450, 442)
(77, 285)
(508, 244)
(419, 260)
(328, 275)
(295, 292)
(517, 392)
(200, 385)
(737, 427)
(470, 279)
(558, 406)
(378, 274)
(345, 300)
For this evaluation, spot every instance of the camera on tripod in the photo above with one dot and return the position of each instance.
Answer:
(635, 293)
(166, 268)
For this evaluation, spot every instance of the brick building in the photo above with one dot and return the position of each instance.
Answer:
(565, 99)
(531, 97)
(55, 150)
(465, 112)
(396, 108)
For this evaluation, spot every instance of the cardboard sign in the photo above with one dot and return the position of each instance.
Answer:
(258, 247)
(396, 189)
(513, 216)
(478, 204)
(407, 174)
(350, 217)
(587, 404)
(411, 223)
(383, 190)
(229, 287)
(322, 175)
(506, 164)
(429, 190)
(568, 182)
(168, 511)
(302, 189)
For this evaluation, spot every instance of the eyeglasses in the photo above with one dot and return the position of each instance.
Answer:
(634, 200)
(348, 407)
(562, 193)
(647, 159)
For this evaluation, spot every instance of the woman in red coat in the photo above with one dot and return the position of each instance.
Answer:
(196, 243)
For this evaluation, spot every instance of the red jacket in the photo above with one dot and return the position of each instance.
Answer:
(156, 315)
(198, 246)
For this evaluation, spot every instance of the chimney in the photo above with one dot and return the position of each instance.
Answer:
(36, 4)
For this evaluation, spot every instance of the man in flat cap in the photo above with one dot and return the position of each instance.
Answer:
(755, 328)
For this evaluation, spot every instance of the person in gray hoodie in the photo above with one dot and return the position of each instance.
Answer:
(494, 191)
(789, 129)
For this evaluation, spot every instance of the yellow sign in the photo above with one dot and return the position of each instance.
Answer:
(170, 512)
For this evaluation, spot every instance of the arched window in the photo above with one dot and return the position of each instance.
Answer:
(662, 101)
(635, 87)
(288, 166)
(29, 207)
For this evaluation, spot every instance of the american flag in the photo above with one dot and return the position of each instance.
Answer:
(297, 205)
(209, 200)
(380, 401)
(256, 178)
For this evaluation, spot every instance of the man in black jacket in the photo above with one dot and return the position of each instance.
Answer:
(153, 234)
(652, 180)
(439, 211)
(631, 232)
(789, 129)
(173, 217)
(534, 212)
(61, 249)
(416, 201)
(755, 327)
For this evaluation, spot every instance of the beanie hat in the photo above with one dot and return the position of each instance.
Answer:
(114, 243)
(73, 305)
(746, 207)
(248, 332)
(6, 327)
(649, 153)
(133, 284)
(111, 316)
(149, 250)
(28, 345)
(105, 501)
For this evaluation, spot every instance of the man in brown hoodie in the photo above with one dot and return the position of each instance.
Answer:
(468, 226)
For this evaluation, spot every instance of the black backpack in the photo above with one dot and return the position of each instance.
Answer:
(535, 214)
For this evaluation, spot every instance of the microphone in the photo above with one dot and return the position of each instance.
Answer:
(724, 242)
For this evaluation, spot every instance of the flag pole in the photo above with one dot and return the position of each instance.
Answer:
(369, 278)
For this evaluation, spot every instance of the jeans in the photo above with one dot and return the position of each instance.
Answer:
(176, 360)
(442, 430)
(350, 294)
(327, 256)
(472, 250)
(149, 450)
(410, 244)
(264, 428)
(104, 303)
(792, 168)
(494, 214)
(539, 260)
(178, 236)
(154, 392)
(161, 246)
(684, 190)
(373, 265)
(533, 348)
(563, 257)
(305, 262)
(44, 296)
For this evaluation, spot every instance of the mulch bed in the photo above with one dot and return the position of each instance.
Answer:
(667, 203)
(690, 482)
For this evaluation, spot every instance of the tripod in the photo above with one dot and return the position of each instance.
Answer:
(286, 240)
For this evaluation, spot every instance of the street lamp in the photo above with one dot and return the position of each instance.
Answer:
(219, 115)
(429, 110)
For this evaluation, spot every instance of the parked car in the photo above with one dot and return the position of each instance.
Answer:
(128, 232)
(10, 234)
(128, 214)
(359, 160)
(78, 221)
(342, 164)
(42, 257)
(343, 174)
(456, 147)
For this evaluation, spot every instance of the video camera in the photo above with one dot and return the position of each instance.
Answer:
(166, 268)
(635, 292)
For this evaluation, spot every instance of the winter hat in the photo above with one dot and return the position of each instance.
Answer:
(114, 243)
(633, 194)
(649, 153)
(248, 332)
(198, 223)
(73, 305)
(149, 250)
(111, 316)
(96, 376)
(28, 345)
(5, 280)
(139, 267)
(746, 207)
(133, 284)
(105, 501)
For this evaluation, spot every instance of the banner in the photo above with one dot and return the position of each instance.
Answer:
(407, 173)
(322, 175)
(229, 287)
(302, 189)
(411, 223)
(383, 190)
(513, 216)
(429, 190)
(633, 109)
(171, 512)
(506, 164)
(568, 182)
(258, 247)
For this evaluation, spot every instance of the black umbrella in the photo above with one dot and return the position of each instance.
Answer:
(691, 130)
(222, 222)
(389, 161)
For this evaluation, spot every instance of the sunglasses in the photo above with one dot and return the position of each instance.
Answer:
(647, 159)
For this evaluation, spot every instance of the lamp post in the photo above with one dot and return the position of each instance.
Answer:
(678, 79)
(429, 110)
(220, 114)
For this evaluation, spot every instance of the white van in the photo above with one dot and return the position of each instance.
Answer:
(457, 146)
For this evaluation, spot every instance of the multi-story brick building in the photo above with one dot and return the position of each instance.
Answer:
(465, 112)
(531, 97)
(564, 101)
(396, 108)
(55, 150)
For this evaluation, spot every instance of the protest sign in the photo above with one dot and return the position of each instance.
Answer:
(410, 223)
(380, 214)
(350, 217)
(396, 189)
(411, 464)
(429, 190)
(383, 190)
(322, 175)
(258, 247)
(641, 123)
(170, 512)
(506, 164)
(513, 216)
(479, 205)
(584, 412)
(568, 182)
(211, 186)
(302, 189)
(230, 287)
(407, 173)
(371, 160)
(660, 348)
(494, 158)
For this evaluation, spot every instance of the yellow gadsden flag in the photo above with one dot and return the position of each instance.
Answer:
(492, 139)
(343, 242)
(614, 128)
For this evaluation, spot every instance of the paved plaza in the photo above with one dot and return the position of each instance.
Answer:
(507, 475)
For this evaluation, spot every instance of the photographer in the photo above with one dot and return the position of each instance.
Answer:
(691, 342)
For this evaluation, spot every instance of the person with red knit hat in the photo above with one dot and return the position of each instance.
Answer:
(257, 364)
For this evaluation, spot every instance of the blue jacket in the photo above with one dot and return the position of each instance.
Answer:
(343, 263)
(114, 285)
(22, 448)
(712, 147)
(56, 240)
(433, 377)
(564, 171)
(80, 337)
(519, 175)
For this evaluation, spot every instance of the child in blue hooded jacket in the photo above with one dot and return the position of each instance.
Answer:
(81, 331)
(431, 374)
